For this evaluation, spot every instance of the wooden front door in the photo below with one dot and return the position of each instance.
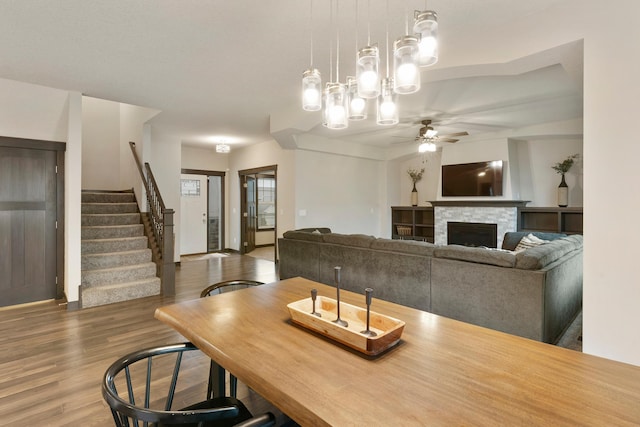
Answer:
(28, 211)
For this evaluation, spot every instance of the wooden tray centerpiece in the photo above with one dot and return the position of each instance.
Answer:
(388, 330)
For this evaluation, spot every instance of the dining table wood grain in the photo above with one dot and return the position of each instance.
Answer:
(442, 372)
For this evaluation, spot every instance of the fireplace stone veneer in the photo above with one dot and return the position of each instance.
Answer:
(504, 214)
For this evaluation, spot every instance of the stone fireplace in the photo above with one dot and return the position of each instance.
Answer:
(503, 214)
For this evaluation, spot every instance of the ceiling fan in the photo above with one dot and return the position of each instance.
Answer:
(428, 137)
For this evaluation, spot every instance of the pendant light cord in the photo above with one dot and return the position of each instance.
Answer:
(356, 27)
(368, 22)
(311, 34)
(337, 43)
(331, 44)
(387, 38)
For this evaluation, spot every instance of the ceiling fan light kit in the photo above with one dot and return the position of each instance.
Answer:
(348, 102)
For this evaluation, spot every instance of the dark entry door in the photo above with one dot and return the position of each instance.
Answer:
(28, 208)
(250, 214)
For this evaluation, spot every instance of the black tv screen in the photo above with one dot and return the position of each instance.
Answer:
(472, 179)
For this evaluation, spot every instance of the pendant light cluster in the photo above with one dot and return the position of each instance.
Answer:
(341, 103)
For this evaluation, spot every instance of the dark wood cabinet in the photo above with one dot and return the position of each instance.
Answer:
(554, 220)
(412, 223)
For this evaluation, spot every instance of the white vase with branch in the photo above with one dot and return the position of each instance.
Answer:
(415, 175)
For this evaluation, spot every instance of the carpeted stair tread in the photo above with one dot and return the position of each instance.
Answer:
(108, 294)
(106, 208)
(128, 273)
(89, 196)
(90, 232)
(114, 259)
(95, 246)
(110, 219)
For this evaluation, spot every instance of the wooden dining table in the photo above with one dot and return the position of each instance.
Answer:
(441, 372)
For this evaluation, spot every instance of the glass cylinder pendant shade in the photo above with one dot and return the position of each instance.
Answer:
(406, 74)
(357, 104)
(426, 25)
(387, 104)
(367, 74)
(325, 93)
(311, 90)
(336, 108)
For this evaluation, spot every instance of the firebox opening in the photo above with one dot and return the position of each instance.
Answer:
(472, 234)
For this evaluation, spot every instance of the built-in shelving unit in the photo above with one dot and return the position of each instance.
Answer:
(554, 220)
(412, 223)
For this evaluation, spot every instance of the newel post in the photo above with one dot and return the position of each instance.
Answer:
(168, 279)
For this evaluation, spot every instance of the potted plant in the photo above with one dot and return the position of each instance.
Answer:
(416, 175)
(563, 189)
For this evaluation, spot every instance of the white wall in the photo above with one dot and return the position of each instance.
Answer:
(33, 112)
(73, 200)
(263, 154)
(132, 128)
(165, 161)
(542, 154)
(611, 153)
(338, 192)
(204, 159)
(100, 144)
(428, 186)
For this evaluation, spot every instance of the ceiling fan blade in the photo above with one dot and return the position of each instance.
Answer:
(447, 140)
(406, 141)
(455, 134)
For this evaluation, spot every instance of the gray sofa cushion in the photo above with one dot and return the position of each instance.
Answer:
(357, 240)
(543, 255)
(404, 246)
(512, 238)
(478, 255)
(323, 230)
(303, 235)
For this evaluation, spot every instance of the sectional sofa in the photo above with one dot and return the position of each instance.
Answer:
(535, 293)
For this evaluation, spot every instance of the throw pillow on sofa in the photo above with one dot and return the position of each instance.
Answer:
(529, 241)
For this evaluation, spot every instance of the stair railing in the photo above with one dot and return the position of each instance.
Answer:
(161, 220)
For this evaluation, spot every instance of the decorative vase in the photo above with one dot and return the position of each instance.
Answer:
(414, 196)
(563, 193)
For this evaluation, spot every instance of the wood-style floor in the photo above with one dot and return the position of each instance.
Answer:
(52, 360)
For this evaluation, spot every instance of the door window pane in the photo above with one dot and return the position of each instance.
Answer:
(266, 202)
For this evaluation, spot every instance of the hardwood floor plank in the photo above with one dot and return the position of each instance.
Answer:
(52, 360)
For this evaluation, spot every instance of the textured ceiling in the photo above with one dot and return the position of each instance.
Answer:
(222, 68)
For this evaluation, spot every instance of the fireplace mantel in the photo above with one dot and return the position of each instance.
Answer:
(481, 203)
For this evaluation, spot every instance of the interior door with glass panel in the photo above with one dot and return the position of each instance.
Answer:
(215, 234)
(250, 214)
(193, 214)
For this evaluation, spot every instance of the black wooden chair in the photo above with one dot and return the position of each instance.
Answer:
(217, 373)
(135, 403)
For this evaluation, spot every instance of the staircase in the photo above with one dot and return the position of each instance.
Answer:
(116, 260)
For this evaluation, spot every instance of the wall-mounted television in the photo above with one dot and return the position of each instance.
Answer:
(472, 179)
